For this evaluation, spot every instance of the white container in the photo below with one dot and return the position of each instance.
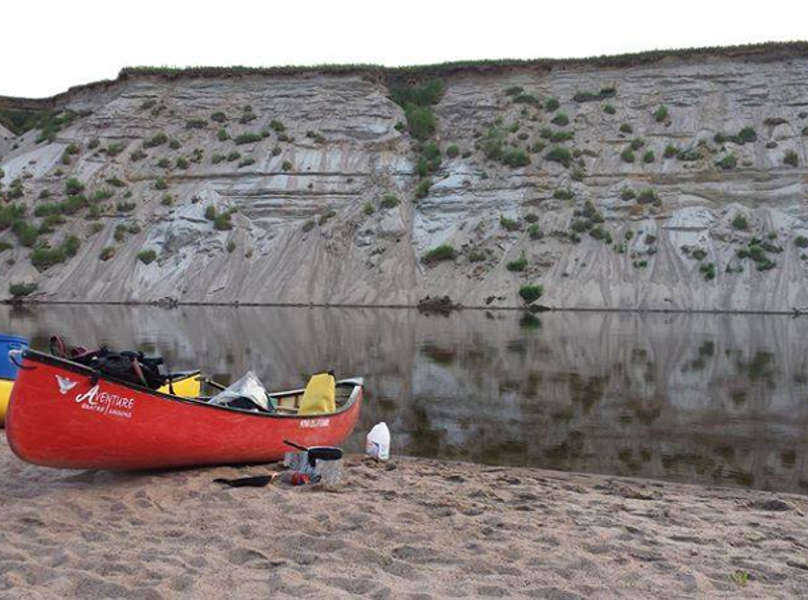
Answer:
(377, 443)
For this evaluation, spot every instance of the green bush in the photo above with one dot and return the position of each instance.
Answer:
(26, 233)
(10, 214)
(18, 290)
(160, 184)
(527, 99)
(174, 144)
(601, 234)
(47, 208)
(125, 207)
(422, 189)
(531, 293)
(698, 253)
(286, 166)
(648, 157)
(167, 200)
(146, 256)
(728, 162)
(661, 113)
(509, 224)
(247, 138)
(277, 126)
(219, 117)
(563, 194)
(551, 105)
(627, 194)
(196, 124)
(708, 270)
(115, 182)
(561, 155)
(637, 143)
(746, 135)
(73, 186)
(73, 204)
(246, 162)
(156, 140)
(115, 148)
(222, 135)
(740, 222)
(389, 201)
(102, 194)
(233, 156)
(137, 155)
(420, 121)
(581, 97)
(43, 258)
(368, 209)
(561, 136)
(452, 151)
(107, 253)
(517, 265)
(439, 253)
(627, 155)
(689, 155)
(222, 222)
(626, 128)
(801, 241)
(774, 121)
(534, 232)
(515, 158)
(791, 158)
(210, 212)
(514, 90)
(561, 119)
(647, 196)
(609, 109)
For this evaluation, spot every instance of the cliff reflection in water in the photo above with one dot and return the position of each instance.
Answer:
(703, 398)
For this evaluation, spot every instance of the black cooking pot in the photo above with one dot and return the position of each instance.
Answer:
(315, 453)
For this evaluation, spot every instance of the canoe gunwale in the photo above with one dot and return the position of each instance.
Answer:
(42, 357)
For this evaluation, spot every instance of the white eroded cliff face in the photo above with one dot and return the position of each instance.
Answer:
(706, 212)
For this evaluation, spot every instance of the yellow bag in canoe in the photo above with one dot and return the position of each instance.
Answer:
(319, 396)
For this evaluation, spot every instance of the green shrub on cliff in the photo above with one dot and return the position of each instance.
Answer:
(438, 254)
(531, 293)
(146, 256)
(561, 155)
(18, 290)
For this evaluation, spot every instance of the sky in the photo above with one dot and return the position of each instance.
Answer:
(46, 47)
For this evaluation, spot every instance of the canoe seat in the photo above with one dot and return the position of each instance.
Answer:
(319, 395)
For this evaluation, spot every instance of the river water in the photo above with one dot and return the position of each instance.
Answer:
(701, 398)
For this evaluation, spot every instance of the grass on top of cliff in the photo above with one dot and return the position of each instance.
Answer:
(786, 49)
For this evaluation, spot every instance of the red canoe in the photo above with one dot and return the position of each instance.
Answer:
(62, 415)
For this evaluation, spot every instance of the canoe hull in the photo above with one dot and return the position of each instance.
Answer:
(61, 416)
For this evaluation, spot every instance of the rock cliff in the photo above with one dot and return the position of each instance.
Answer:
(657, 181)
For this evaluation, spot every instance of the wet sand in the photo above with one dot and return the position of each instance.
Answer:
(410, 528)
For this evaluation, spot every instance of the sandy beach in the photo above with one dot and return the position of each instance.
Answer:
(409, 528)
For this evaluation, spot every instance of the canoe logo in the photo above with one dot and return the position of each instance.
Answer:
(65, 384)
(314, 423)
(106, 403)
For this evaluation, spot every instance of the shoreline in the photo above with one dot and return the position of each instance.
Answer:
(408, 528)
(794, 312)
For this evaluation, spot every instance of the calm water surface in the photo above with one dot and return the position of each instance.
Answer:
(716, 399)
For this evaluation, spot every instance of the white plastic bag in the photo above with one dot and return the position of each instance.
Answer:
(248, 386)
(377, 442)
